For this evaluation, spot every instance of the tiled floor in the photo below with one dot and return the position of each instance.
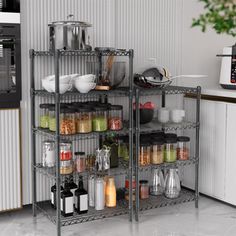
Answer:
(212, 219)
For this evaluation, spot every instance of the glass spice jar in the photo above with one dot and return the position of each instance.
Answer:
(66, 167)
(145, 153)
(100, 119)
(90, 162)
(170, 154)
(115, 121)
(157, 155)
(44, 115)
(143, 189)
(52, 119)
(84, 120)
(65, 151)
(183, 148)
(67, 121)
(80, 161)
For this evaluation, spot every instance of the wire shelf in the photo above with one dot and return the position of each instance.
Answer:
(161, 201)
(117, 52)
(167, 90)
(73, 137)
(50, 172)
(155, 126)
(121, 91)
(121, 209)
(176, 164)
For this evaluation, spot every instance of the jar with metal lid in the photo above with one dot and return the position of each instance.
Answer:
(84, 120)
(115, 121)
(183, 149)
(65, 151)
(66, 167)
(127, 186)
(157, 155)
(143, 189)
(49, 153)
(170, 154)
(67, 121)
(100, 119)
(44, 115)
(52, 119)
(80, 162)
(145, 153)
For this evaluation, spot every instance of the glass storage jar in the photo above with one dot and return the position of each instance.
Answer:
(123, 148)
(183, 148)
(52, 118)
(80, 162)
(84, 120)
(115, 121)
(66, 167)
(170, 154)
(65, 151)
(127, 186)
(49, 153)
(44, 115)
(67, 121)
(100, 119)
(157, 155)
(145, 153)
(143, 189)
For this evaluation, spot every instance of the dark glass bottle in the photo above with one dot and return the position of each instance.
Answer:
(81, 198)
(67, 201)
(54, 196)
(73, 186)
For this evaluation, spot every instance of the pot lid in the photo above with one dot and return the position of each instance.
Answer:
(70, 23)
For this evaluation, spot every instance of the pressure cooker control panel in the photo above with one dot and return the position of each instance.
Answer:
(233, 65)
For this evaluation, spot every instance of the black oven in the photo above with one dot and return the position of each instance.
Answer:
(10, 65)
(9, 5)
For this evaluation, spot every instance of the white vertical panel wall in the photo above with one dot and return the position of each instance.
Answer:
(10, 160)
(152, 28)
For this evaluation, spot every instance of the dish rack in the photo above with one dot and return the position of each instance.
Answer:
(131, 128)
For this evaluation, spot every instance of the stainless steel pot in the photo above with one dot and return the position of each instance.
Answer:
(69, 35)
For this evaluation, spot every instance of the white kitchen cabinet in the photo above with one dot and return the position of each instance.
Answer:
(230, 170)
(212, 147)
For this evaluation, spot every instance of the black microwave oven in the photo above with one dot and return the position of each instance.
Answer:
(10, 65)
(10, 6)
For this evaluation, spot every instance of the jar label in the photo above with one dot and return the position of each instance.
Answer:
(84, 202)
(67, 207)
(52, 198)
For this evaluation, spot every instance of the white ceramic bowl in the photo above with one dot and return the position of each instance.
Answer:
(62, 87)
(64, 79)
(47, 85)
(84, 87)
(90, 78)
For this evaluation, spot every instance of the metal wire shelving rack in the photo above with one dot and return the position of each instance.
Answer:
(131, 128)
(123, 207)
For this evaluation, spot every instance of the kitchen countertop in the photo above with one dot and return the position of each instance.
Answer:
(219, 92)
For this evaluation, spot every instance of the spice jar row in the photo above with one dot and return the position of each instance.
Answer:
(162, 147)
(100, 193)
(78, 162)
(82, 117)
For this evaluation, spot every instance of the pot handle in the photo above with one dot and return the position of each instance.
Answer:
(70, 16)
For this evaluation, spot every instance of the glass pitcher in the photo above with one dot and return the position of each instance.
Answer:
(172, 184)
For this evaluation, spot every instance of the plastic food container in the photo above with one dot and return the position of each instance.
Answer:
(52, 119)
(84, 120)
(67, 121)
(143, 189)
(80, 162)
(157, 155)
(115, 121)
(170, 154)
(183, 148)
(100, 119)
(145, 153)
(66, 167)
(65, 151)
(44, 115)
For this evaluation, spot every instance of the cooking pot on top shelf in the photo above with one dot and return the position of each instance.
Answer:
(69, 35)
